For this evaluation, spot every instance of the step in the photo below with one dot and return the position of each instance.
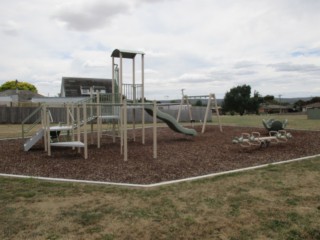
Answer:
(68, 144)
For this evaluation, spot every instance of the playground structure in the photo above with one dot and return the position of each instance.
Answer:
(110, 107)
(254, 139)
(211, 103)
(274, 125)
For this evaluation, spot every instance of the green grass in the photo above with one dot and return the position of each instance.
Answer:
(294, 121)
(276, 202)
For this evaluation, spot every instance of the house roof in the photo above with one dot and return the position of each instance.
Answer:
(274, 106)
(313, 105)
(71, 86)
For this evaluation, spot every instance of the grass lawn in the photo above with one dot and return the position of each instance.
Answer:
(294, 121)
(277, 202)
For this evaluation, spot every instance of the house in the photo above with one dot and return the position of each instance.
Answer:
(17, 97)
(313, 110)
(310, 106)
(81, 87)
(273, 108)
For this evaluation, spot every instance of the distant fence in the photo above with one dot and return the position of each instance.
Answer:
(15, 115)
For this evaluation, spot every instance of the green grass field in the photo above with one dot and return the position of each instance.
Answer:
(276, 202)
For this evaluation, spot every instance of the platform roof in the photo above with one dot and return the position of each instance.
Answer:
(125, 53)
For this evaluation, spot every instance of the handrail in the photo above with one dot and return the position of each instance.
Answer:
(37, 121)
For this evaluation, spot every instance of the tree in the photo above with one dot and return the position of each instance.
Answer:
(198, 103)
(300, 103)
(254, 103)
(15, 84)
(238, 100)
(268, 99)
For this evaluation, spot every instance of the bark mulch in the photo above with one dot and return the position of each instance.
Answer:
(179, 156)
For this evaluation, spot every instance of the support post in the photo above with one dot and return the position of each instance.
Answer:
(155, 145)
(217, 112)
(99, 121)
(44, 126)
(120, 78)
(142, 100)
(78, 126)
(206, 114)
(85, 131)
(180, 107)
(134, 96)
(91, 113)
(125, 130)
(47, 132)
(73, 123)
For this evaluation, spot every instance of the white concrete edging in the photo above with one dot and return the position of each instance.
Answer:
(160, 183)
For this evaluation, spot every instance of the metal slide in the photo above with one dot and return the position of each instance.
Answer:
(171, 122)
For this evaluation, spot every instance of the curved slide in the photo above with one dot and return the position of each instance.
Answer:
(171, 122)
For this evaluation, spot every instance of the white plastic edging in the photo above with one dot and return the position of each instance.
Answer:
(160, 183)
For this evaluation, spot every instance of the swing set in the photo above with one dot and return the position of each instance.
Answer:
(211, 104)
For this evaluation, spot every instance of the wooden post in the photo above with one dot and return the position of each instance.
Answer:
(44, 126)
(125, 137)
(47, 132)
(134, 96)
(120, 78)
(180, 107)
(91, 113)
(121, 127)
(206, 114)
(73, 123)
(189, 109)
(142, 100)
(99, 121)
(78, 126)
(85, 131)
(155, 146)
(217, 111)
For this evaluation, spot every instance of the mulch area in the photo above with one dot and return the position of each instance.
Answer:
(179, 156)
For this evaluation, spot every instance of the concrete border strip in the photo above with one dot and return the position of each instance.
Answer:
(160, 183)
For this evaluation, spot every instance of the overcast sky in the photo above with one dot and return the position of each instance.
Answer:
(203, 46)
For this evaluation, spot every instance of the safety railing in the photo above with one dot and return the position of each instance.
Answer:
(26, 130)
(132, 92)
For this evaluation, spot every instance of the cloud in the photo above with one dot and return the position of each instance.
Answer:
(290, 67)
(10, 28)
(197, 45)
(90, 16)
(313, 52)
(245, 64)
